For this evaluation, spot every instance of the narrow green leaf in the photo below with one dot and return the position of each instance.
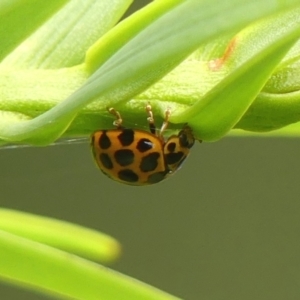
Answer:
(13, 15)
(61, 235)
(271, 112)
(290, 131)
(60, 42)
(224, 105)
(49, 270)
(126, 31)
(278, 104)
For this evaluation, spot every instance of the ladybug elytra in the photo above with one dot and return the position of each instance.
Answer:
(138, 157)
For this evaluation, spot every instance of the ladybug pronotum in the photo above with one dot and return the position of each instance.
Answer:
(139, 157)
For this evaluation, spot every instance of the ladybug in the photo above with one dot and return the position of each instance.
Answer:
(138, 157)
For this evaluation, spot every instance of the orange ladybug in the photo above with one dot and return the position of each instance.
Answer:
(138, 157)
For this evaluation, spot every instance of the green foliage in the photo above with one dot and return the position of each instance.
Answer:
(25, 255)
(62, 235)
(12, 13)
(130, 58)
(201, 58)
(224, 105)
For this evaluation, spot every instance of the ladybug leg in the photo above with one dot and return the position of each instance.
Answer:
(150, 119)
(118, 122)
(166, 121)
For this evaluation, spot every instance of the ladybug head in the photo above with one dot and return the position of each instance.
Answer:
(177, 148)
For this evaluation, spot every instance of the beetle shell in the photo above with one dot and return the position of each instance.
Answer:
(138, 157)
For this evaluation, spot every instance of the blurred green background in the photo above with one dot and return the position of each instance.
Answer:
(226, 226)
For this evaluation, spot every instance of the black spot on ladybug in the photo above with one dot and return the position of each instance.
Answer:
(173, 158)
(126, 137)
(144, 145)
(128, 175)
(171, 147)
(184, 140)
(106, 161)
(124, 157)
(104, 141)
(149, 162)
(156, 177)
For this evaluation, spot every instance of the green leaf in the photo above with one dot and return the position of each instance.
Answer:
(290, 131)
(225, 104)
(61, 235)
(12, 16)
(278, 104)
(150, 52)
(49, 270)
(60, 42)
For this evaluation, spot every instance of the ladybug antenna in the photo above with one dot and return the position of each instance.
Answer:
(166, 121)
(150, 118)
(118, 122)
